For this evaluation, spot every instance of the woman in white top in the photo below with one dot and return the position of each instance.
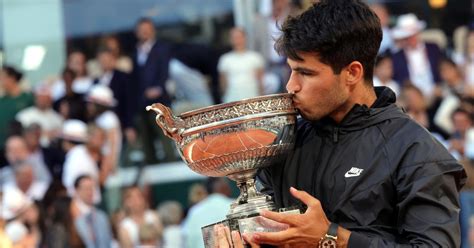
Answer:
(241, 70)
(137, 214)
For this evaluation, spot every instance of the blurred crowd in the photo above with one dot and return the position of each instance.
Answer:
(61, 139)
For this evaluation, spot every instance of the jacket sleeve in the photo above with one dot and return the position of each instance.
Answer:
(427, 207)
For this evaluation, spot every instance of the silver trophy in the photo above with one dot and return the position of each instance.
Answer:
(235, 140)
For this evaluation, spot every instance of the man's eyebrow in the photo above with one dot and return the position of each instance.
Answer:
(302, 69)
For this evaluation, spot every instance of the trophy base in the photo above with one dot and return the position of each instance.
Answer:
(245, 224)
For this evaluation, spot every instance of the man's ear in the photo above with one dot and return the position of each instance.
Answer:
(354, 73)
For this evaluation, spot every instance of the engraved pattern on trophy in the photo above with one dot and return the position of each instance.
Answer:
(227, 111)
(234, 140)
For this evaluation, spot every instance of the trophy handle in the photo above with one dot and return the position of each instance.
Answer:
(171, 125)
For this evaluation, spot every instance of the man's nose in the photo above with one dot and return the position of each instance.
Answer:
(292, 86)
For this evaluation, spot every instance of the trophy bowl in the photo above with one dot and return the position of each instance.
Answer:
(234, 140)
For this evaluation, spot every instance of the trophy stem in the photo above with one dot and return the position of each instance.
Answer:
(250, 201)
(247, 190)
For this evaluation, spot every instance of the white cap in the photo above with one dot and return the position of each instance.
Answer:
(407, 25)
(13, 203)
(74, 130)
(102, 95)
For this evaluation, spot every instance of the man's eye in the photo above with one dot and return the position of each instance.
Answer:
(303, 73)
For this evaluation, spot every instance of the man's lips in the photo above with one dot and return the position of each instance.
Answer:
(296, 103)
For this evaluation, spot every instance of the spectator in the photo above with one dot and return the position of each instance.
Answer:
(55, 191)
(469, 64)
(461, 142)
(25, 181)
(387, 45)
(43, 114)
(91, 223)
(137, 214)
(14, 100)
(76, 61)
(21, 217)
(417, 61)
(266, 30)
(383, 73)
(71, 105)
(150, 72)
(62, 232)
(120, 84)
(100, 101)
(454, 89)
(241, 70)
(451, 77)
(465, 60)
(111, 43)
(51, 157)
(78, 159)
(171, 214)
(17, 153)
(149, 236)
(210, 210)
(416, 106)
(197, 193)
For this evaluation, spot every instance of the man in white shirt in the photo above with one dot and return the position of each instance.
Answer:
(16, 151)
(25, 182)
(417, 61)
(43, 114)
(241, 70)
(78, 160)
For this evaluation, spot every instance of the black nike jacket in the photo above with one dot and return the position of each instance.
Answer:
(378, 174)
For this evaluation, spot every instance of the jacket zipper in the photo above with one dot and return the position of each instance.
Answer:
(316, 165)
(335, 136)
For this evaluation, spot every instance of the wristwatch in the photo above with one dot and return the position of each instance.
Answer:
(330, 238)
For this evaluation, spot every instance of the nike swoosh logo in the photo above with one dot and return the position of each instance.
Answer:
(354, 172)
(350, 174)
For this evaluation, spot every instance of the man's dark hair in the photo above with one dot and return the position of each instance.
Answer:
(381, 57)
(79, 179)
(12, 72)
(462, 111)
(337, 31)
(144, 20)
(104, 49)
(447, 60)
(217, 185)
(68, 71)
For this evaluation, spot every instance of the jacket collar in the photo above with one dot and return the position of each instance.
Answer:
(362, 116)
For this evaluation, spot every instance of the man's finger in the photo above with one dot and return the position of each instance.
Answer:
(304, 197)
(278, 217)
(237, 240)
(248, 239)
(271, 238)
(222, 238)
(271, 225)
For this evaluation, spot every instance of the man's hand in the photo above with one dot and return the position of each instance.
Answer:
(305, 230)
(223, 238)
